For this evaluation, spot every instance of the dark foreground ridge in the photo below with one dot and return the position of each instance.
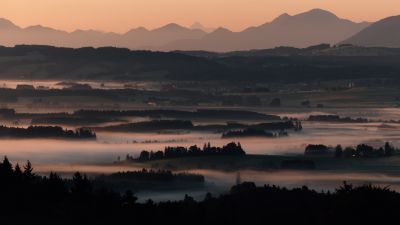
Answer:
(30, 199)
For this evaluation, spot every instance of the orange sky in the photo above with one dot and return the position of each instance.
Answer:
(121, 15)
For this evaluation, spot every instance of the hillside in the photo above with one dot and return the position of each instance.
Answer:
(384, 33)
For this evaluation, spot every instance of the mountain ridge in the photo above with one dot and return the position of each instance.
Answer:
(384, 33)
(301, 30)
(304, 29)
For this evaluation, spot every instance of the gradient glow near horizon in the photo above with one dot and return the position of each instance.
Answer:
(122, 15)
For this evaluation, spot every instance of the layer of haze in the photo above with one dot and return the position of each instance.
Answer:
(122, 15)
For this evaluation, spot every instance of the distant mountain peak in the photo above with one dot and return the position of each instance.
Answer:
(222, 30)
(7, 24)
(281, 18)
(318, 13)
(171, 27)
(313, 13)
(142, 28)
(311, 16)
(38, 28)
(199, 26)
(139, 29)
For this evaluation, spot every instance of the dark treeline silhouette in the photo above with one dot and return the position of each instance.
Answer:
(117, 96)
(316, 150)
(74, 121)
(360, 151)
(46, 132)
(149, 180)
(153, 125)
(174, 114)
(159, 125)
(177, 152)
(290, 124)
(271, 126)
(113, 63)
(159, 175)
(55, 118)
(6, 113)
(168, 97)
(179, 114)
(27, 198)
(251, 132)
(336, 118)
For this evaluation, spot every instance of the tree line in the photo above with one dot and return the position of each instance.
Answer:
(27, 198)
(360, 151)
(177, 152)
(46, 132)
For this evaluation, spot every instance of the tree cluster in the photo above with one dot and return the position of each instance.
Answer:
(207, 150)
(360, 151)
(46, 132)
(363, 150)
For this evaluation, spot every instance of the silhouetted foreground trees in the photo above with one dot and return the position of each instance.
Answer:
(207, 150)
(361, 150)
(30, 199)
(45, 132)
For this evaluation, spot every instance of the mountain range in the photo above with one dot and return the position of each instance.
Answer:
(384, 33)
(305, 29)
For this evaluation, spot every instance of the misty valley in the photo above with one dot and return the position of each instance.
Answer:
(294, 121)
(102, 128)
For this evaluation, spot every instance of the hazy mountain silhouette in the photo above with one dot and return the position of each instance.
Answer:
(149, 39)
(199, 26)
(7, 25)
(384, 33)
(302, 30)
(139, 38)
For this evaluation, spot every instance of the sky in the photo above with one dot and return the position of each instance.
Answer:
(122, 15)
